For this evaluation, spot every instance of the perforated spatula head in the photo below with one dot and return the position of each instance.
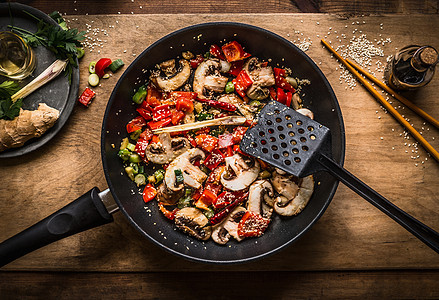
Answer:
(287, 140)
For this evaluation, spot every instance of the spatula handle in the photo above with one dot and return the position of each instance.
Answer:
(418, 229)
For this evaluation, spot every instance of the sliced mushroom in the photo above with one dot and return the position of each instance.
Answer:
(262, 77)
(292, 206)
(246, 110)
(240, 172)
(172, 75)
(306, 112)
(192, 175)
(231, 222)
(220, 235)
(193, 222)
(167, 196)
(167, 149)
(260, 193)
(208, 77)
(285, 185)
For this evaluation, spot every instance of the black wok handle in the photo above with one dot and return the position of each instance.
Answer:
(418, 229)
(84, 213)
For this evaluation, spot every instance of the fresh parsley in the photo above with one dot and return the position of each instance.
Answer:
(62, 42)
(9, 109)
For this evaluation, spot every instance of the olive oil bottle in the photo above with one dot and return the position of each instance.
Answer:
(17, 60)
(412, 67)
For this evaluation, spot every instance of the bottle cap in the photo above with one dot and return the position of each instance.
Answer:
(428, 56)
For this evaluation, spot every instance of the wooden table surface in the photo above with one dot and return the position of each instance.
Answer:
(353, 251)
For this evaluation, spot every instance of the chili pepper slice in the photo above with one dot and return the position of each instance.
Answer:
(206, 142)
(242, 82)
(159, 124)
(185, 105)
(177, 116)
(144, 113)
(218, 104)
(233, 51)
(196, 61)
(218, 217)
(206, 199)
(252, 225)
(86, 96)
(136, 124)
(214, 159)
(167, 213)
(281, 96)
(236, 67)
(289, 99)
(161, 112)
(101, 65)
(149, 193)
(280, 81)
(216, 51)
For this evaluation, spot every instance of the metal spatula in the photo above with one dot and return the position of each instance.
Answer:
(301, 146)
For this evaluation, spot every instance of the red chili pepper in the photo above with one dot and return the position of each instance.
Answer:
(252, 225)
(86, 96)
(195, 62)
(238, 134)
(218, 217)
(242, 82)
(144, 113)
(289, 99)
(101, 65)
(213, 187)
(281, 96)
(229, 151)
(146, 134)
(225, 140)
(206, 199)
(192, 141)
(159, 124)
(273, 93)
(136, 124)
(197, 194)
(214, 159)
(280, 81)
(153, 96)
(185, 105)
(161, 112)
(206, 142)
(149, 193)
(236, 67)
(233, 51)
(168, 214)
(216, 51)
(177, 116)
(141, 147)
(218, 104)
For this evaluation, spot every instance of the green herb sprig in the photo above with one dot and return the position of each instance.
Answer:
(62, 42)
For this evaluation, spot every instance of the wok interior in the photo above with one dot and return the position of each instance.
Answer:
(120, 110)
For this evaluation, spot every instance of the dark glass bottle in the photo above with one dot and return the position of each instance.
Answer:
(412, 67)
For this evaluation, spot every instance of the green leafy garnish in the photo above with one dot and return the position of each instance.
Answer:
(9, 109)
(62, 42)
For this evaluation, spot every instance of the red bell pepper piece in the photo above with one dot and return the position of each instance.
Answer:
(192, 141)
(233, 51)
(213, 187)
(136, 124)
(206, 142)
(153, 96)
(177, 116)
(161, 112)
(144, 113)
(281, 96)
(168, 214)
(238, 197)
(252, 225)
(196, 61)
(159, 124)
(86, 96)
(214, 159)
(206, 199)
(225, 140)
(217, 52)
(146, 135)
(101, 65)
(236, 67)
(289, 99)
(242, 82)
(218, 104)
(238, 134)
(280, 81)
(185, 105)
(229, 151)
(149, 193)
(141, 147)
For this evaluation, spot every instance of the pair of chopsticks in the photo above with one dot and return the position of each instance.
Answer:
(356, 70)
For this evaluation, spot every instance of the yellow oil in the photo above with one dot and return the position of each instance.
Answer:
(17, 60)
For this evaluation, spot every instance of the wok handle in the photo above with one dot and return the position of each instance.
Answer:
(84, 213)
(418, 229)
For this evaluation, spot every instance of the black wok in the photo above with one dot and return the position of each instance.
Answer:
(92, 209)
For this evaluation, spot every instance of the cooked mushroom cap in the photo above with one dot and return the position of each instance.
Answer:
(208, 76)
(231, 222)
(168, 197)
(193, 222)
(285, 185)
(298, 203)
(245, 172)
(262, 77)
(192, 175)
(260, 192)
(220, 235)
(167, 149)
(175, 76)
(306, 112)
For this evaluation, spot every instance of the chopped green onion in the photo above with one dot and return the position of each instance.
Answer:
(208, 213)
(178, 176)
(230, 87)
(187, 192)
(135, 134)
(131, 147)
(92, 67)
(140, 179)
(124, 144)
(159, 175)
(130, 172)
(184, 202)
(135, 167)
(204, 116)
(140, 95)
(124, 154)
(135, 158)
(116, 65)
(93, 79)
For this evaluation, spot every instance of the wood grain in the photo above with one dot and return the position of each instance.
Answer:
(352, 235)
(236, 285)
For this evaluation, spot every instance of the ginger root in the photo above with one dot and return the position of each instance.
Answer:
(29, 124)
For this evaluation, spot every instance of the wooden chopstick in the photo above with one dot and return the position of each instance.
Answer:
(386, 104)
(405, 101)
(229, 120)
